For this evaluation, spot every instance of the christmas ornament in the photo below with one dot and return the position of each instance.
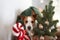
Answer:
(40, 26)
(47, 22)
(49, 30)
(35, 38)
(36, 21)
(52, 27)
(55, 37)
(32, 33)
(19, 32)
(41, 38)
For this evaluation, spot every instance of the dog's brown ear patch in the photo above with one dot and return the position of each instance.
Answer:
(22, 17)
(33, 14)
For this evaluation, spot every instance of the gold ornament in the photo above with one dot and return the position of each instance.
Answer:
(52, 27)
(41, 38)
(49, 30)
(55, 37)
(47, 22)
(40, 26)
(35, 37)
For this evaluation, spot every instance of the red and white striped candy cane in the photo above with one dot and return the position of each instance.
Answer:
(18, 31)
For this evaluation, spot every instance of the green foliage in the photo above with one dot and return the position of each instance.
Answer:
(48, 13)
(38, 32)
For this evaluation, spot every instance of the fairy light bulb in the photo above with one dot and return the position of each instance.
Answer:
(41, 1)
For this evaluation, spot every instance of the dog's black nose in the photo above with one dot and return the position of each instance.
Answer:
(29, 28)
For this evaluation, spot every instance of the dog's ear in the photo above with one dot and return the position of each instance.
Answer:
(22, 17)
(34, 15)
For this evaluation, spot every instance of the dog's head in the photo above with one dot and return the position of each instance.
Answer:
(29, 21)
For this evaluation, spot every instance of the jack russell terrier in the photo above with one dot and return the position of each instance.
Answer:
(29, 23)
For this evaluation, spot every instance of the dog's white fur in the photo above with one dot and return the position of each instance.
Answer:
(29, 19)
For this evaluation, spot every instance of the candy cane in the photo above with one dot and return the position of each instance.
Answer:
(18, 31)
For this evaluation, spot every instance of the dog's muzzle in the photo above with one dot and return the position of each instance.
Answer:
(29, 27)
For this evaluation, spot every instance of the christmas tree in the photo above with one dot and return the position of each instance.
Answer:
(46, 24)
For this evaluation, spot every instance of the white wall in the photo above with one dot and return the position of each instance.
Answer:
(40, 3)
(8, 15)
(56, 3)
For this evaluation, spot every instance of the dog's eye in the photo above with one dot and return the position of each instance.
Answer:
(32, 21)
(26, 21)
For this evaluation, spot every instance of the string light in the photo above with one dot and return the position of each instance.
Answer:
(41, 1)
